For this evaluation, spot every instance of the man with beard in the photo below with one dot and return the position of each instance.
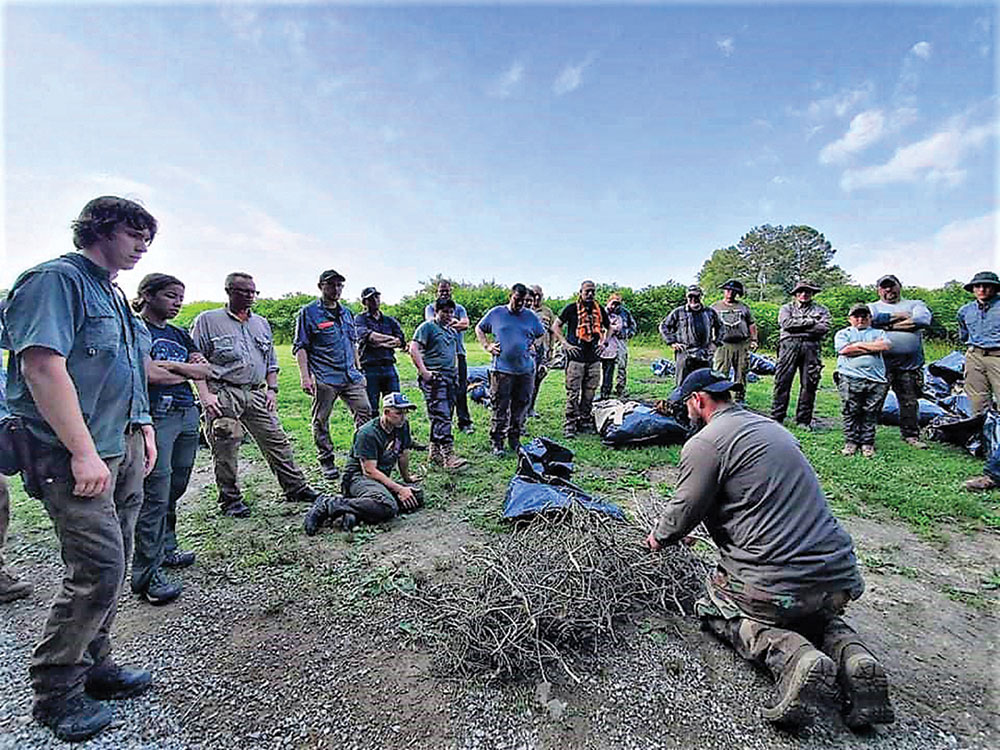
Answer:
(787, 568)
(587, 327)
(692, 331)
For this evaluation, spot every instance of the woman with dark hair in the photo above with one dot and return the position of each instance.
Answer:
(174, 360)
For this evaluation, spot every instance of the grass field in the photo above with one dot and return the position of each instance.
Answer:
(923, 488)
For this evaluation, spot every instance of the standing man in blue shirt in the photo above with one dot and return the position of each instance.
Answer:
(979, 330)
(903, 321)
(77, 381)
(459, 324)
(325, 350)
(378, 335)
(512, 371)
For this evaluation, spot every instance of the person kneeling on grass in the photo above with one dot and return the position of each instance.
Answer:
(787, 569)
(370, 493)
(861, 379)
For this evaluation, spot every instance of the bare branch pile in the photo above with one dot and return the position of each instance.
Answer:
(557, 586)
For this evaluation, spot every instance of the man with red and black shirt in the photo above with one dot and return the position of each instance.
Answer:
(587, 325)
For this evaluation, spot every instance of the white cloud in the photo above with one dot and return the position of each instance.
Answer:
(503, 86)
(571, 77)
(244, 21)
(936, 159)
(956, 251)
(726, 46)
(921, 49)
(779, 180)
(840, 104)
(865, 129)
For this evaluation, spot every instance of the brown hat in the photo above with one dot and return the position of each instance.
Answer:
(806, 285)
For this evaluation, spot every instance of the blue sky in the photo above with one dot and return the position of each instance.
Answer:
(538, 143)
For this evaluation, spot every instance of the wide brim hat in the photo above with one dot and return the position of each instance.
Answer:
(983, 277)
(808, 285)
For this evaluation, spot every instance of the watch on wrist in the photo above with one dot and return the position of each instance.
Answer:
(273, 388)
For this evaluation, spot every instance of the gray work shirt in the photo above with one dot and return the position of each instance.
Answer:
(242, 353)
(907, 346)
(809, 321)
(70, 306)
(745, 476)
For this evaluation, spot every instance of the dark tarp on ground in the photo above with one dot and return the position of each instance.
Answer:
(662, 368)
(542, 483)
(926, 410)
(478, 384)
(951, 367)
(761, 365)
(644, 426)
(991, 444)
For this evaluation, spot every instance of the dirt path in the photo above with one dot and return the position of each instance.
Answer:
(318, 651)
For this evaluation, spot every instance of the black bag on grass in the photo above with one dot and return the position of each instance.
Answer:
(644, 426)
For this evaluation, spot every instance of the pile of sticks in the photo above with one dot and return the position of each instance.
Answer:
(558, 586)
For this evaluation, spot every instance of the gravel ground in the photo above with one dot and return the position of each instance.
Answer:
(261, 665)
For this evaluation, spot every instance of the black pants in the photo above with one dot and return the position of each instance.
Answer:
(509, 399)
(461, 397)
(802, 356)
(908, 385)
(439, 394)
(380, 379)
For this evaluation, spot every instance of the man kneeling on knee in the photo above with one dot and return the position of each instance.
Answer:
(787, 567)
(370, 493)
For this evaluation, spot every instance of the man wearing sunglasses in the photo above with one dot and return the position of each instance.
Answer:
(242, 394)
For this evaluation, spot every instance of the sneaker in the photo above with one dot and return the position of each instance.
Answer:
(239, 509)
(915, 443)
(176, 558)
(867, 451)
(78, 718)
(468, 429)
(110, 683)
(808, 680)
(160, 590)
(849, 449)
(13, 588)
(980, 483)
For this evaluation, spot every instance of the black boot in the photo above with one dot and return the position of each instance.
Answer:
(78, 718)
(864, 684)
(326, 507)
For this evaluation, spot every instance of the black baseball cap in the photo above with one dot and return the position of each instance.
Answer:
(891, 277)
(369, 291)
(706, 379)
(331, 275)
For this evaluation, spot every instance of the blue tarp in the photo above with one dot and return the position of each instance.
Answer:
(644, 426)
(662, 368)
(542, 483)
(926, 410)
(951, 367)
(761, 365)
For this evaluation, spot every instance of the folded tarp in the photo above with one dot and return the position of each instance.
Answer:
(926, 410)
(951, 367)
(622, 424)
(542, 483)
(761, 365)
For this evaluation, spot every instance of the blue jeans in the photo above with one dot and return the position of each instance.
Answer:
(155, 530)
(381, 379)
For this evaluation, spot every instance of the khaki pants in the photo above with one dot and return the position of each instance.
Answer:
(982, 379)
(95, 535)
(355, 395)
(735, 357)
(243, 408)
(582, 381)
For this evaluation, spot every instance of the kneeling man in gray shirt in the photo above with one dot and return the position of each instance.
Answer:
(787, 567)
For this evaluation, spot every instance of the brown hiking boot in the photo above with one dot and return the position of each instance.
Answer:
(865, 688)
(12, 587)
(867, 451)
(980, 483)
(807, 680)
(849, 449)
(434, 453)
(449, 460)
(915, 443)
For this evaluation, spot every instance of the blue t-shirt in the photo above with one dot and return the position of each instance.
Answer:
(864, 366)
(515, 333)
(438, 346)
(170, 344)
(328, 337)
(459, 314)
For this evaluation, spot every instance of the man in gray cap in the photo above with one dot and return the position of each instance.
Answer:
(979, 330)
(803, 325)
(904, 321)
(787, 568)
(739, 335)
(693, 331)
(325, 350)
